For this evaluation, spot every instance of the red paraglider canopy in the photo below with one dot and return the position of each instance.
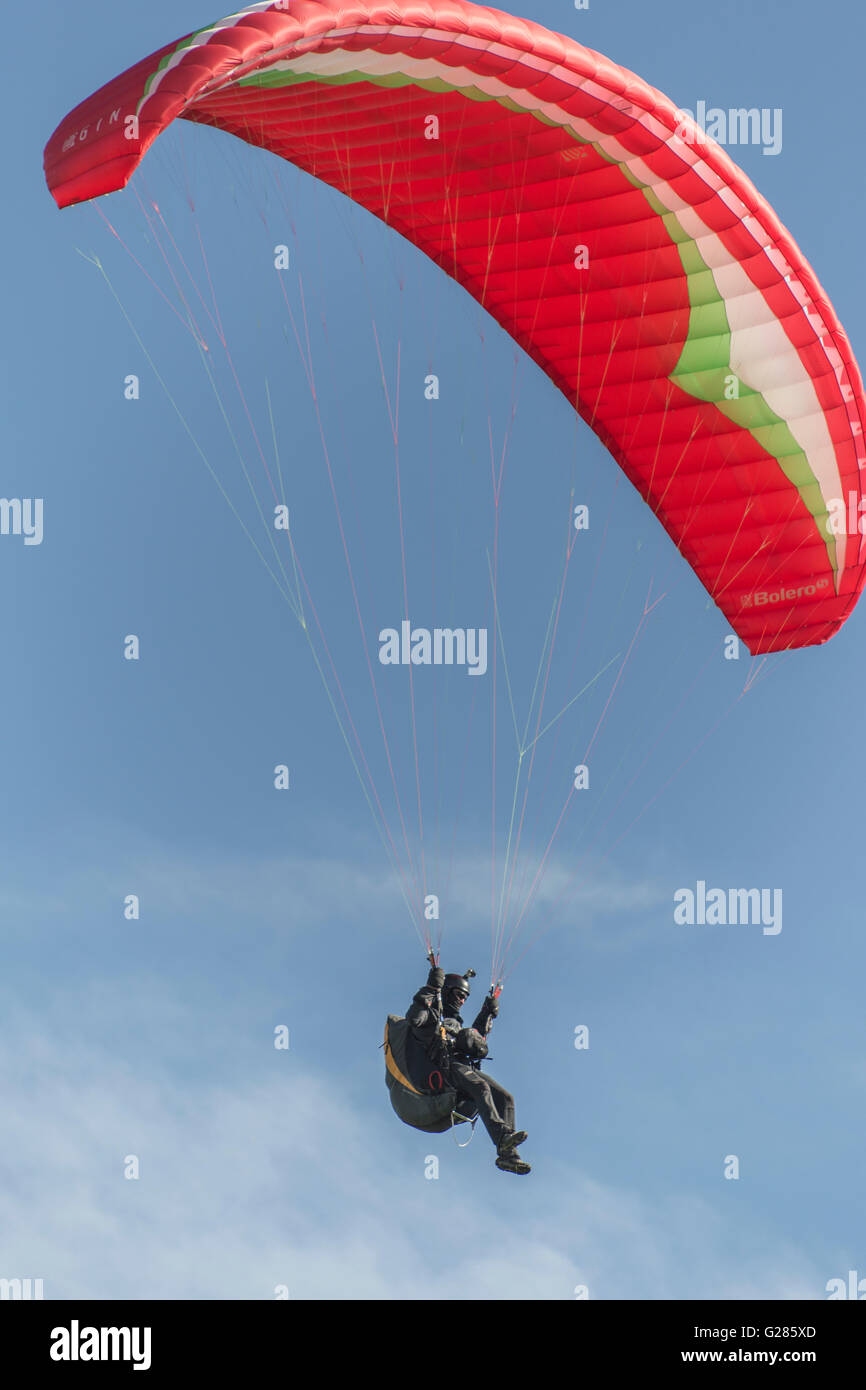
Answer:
(619, 246)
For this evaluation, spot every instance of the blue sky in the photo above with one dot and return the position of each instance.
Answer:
(154, 1037)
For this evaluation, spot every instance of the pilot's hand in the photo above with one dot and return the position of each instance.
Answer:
(436, 978)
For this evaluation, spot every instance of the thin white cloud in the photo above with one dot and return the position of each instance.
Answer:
(355, 883)
(283, 1178)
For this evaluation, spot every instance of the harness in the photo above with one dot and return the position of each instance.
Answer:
(442, 1053)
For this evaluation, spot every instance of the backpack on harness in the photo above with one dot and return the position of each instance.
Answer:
(431, 1110)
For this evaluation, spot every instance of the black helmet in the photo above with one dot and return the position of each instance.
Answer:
(453, 983)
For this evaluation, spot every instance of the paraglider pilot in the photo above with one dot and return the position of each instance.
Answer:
(455, 1053)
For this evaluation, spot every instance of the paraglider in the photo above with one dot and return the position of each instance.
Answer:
(433, 1066)
(622, 250)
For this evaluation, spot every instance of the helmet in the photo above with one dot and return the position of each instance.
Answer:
(453, 983)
